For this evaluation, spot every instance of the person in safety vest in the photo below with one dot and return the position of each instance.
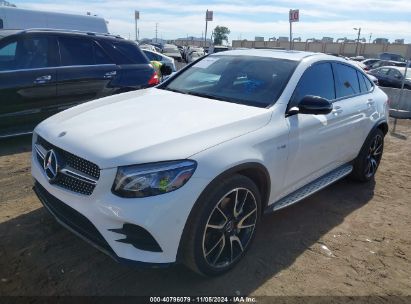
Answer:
(157, 66)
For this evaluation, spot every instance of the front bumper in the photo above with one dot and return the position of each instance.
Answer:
(101, 217)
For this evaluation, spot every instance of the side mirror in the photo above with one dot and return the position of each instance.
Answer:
(165, 70)
(313, 105)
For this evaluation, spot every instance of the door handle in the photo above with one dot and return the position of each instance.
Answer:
(42, 79)
(337, 110)
(110, 75)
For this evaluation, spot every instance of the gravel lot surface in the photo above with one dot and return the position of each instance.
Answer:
(349, 239)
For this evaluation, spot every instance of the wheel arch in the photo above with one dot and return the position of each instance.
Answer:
(257, 172)
(383, 126)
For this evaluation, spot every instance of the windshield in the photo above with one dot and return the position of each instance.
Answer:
(248, 80)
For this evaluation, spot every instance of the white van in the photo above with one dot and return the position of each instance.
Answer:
(21, 19)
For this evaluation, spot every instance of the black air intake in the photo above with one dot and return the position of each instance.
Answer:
(138, 237)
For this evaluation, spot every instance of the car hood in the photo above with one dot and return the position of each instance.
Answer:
(147, 126)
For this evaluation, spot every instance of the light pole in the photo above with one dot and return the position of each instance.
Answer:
(358, 41)
(293, 16)
(136, 17)
(205, 33)
(209, 17)
(156, 31)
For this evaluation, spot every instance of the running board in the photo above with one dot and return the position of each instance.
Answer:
(311, 188)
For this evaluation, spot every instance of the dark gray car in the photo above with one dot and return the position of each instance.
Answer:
(389, 76)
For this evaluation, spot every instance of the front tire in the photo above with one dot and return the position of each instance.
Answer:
(222, 226)
(368, 160)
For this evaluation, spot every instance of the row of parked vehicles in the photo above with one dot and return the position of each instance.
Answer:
(45, 71)
(390, 69)
(392, 76)
(187, 54)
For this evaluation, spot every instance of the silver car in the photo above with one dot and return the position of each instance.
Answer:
(154, 56)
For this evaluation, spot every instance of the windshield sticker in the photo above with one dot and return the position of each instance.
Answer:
(206, 62)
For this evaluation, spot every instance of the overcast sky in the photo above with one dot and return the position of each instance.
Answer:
(246, 19)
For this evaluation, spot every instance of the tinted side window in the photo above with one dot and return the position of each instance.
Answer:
(149, 55)
(131, 51)
(318, 80)
(76, 51)
(7, 56)
(363, 86)
(383, 71)
(368, 82)
(100, 56)
(1, 23)
(394, 74)
(346, 81)
(124, 52)
(153, 56)
(377, 64)
(27, 53)
(157, 57)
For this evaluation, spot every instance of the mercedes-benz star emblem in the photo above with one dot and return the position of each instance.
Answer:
(51, 165)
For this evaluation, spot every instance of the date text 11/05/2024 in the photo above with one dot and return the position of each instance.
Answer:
(188, 299)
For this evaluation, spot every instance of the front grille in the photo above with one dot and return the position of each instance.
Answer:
(75, 185)
(72, 160)
(76, 174)
(72, 218)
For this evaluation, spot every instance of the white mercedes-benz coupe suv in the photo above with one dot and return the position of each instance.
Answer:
(184, 171)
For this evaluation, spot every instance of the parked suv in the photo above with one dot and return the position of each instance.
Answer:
(183, 172)
(392, 56)
(45, 71)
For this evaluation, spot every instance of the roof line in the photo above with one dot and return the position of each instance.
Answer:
(70, 31)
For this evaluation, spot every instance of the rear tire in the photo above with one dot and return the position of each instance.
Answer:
(222, 226)
(368, 160)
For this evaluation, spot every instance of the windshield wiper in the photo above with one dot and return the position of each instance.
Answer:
(174, 90)
(192, 93)
(221, 98)
(204, 95)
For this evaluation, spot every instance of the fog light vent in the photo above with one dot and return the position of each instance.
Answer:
(138, 237)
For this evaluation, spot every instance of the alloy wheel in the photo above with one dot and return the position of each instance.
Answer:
(374, 156)
(230, 228)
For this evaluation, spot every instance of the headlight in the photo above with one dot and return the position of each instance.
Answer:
(152, 179)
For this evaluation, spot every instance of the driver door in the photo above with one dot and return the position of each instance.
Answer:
(394, 78)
